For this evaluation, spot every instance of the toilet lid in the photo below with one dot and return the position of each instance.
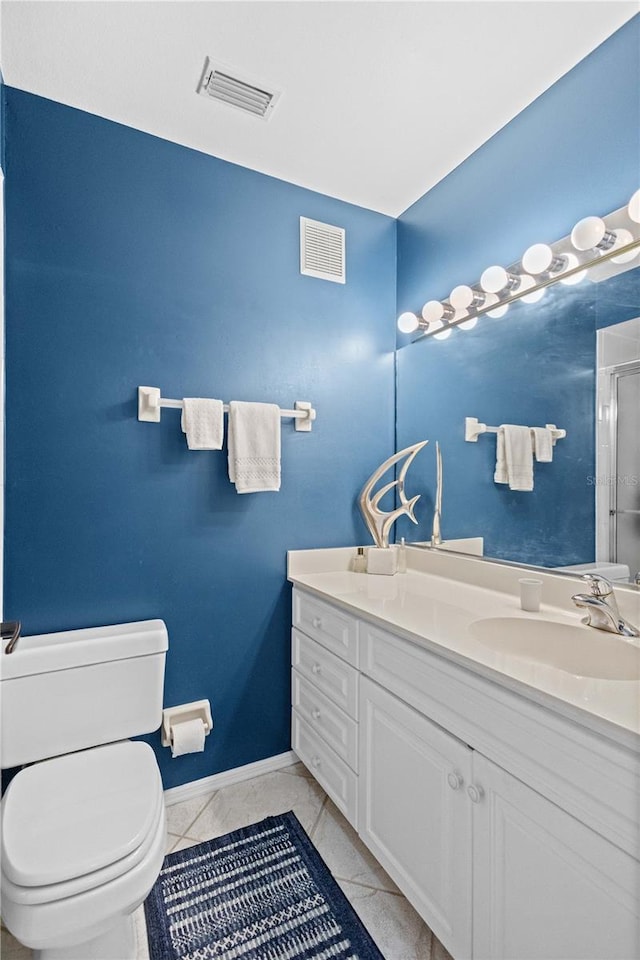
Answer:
(72, 815)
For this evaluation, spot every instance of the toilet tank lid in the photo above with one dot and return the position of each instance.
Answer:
(46, 652)
(612, 571)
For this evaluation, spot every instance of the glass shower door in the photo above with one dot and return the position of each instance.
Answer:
(625, 491)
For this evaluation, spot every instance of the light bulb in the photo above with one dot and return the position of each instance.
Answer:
(444, 330)
(468, 324)
(634, 207)
(494, 279)
(591, 234)
(540, 259)
(434, 310)
(499, 311)
(525, 283)
(572, 261)
(408, 322)
(463, 297)
(535, 296)
(623, 237)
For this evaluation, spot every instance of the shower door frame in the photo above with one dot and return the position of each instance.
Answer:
(614, 374)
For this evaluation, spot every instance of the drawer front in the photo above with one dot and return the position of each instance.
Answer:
(595, 781)
(332, 773)
(328, 673)
(335, 630)
(328, 721)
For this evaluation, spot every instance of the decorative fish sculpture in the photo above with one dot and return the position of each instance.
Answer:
(379, 522)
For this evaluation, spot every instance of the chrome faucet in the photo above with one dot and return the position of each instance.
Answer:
(602, 608)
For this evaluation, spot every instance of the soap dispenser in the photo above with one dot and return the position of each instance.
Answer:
(359, 562)
(402, 556)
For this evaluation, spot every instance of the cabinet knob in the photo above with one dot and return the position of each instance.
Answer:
(316, 668)
(454, 780)
(317, 622)
(315, 714)
(315, 762)
(476, 793)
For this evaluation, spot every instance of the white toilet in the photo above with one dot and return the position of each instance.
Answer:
(83, 827)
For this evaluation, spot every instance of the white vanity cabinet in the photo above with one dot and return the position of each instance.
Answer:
(544, 884)
(414, 814)
(324, 692)
(513, 830)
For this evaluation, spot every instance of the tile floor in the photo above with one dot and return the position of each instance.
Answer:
(391, 921)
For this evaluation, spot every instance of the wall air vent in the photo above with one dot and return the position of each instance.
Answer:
(322, 250)
(223, 83)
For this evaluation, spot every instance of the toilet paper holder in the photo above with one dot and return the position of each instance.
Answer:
(171, 716)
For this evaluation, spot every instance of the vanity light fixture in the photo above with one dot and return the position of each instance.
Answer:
(623, 238)
(408, 322)
(463, 297)
(496, 279)
(435, 311)
(573, 278)
(597, 240)
(591, 234)
(468, 324)
(540, 258)
(444, 330)
(526, 282)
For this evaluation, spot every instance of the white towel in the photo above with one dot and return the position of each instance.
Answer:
(203, 422)
(542, 444)
(514, 457)
(254, 446)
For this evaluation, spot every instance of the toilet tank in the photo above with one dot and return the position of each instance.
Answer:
(615, 572)
(61, 692)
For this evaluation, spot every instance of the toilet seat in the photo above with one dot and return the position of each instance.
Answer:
(117, 786)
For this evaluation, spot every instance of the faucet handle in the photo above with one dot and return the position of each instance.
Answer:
(600, 586)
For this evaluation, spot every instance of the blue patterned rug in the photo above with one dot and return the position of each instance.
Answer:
(260, 893)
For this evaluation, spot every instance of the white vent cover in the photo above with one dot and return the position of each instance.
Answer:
(322, 251)
(223, 83)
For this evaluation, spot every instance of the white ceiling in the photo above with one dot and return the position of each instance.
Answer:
(380, 99)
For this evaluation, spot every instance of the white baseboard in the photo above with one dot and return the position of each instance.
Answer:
(196, 788)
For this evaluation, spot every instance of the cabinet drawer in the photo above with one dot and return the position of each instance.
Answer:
(328, 673)
(328, 721)
(335, 630)
(332, 773)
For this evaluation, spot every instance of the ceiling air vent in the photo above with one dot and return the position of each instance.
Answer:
(322, 251)
(223, 83)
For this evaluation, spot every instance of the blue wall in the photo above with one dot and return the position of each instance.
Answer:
(572, 152)
(131, 260)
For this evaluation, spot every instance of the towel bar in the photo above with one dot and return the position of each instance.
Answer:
(473, 428)
(150, 403)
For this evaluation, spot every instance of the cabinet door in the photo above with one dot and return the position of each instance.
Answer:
(414, 814)
(545, 885)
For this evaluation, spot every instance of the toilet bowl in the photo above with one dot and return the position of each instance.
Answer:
(83, 833)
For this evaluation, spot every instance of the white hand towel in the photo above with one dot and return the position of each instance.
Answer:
(203, 422)
(514, 460)
(542, 444)
(500, 474)
(254, 446)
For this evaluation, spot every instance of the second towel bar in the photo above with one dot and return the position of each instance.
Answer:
(473, 428)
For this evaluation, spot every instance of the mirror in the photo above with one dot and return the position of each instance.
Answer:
(538, 364)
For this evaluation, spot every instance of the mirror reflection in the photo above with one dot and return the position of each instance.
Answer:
(572, 360)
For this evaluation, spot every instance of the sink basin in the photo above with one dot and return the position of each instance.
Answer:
(579, 650)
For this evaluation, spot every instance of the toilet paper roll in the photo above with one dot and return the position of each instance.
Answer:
(187, 737)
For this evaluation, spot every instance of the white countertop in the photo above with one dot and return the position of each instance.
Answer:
(438, 612)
